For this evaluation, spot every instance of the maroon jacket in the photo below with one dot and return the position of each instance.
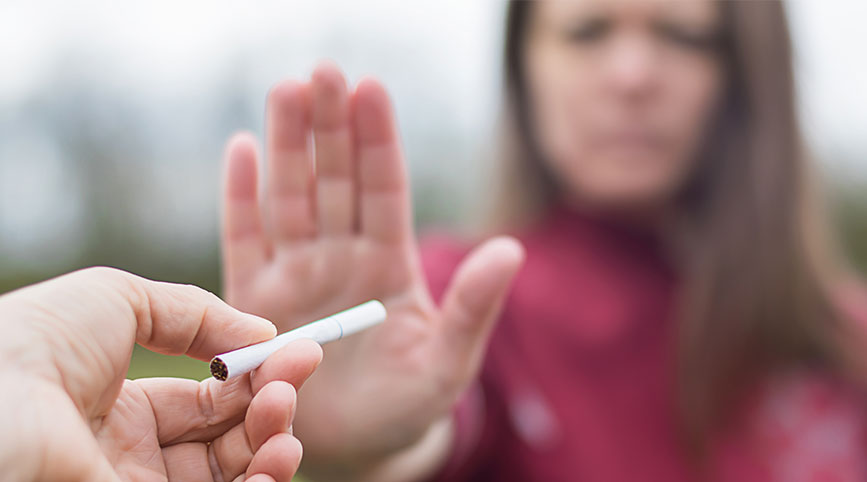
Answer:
(578, 381)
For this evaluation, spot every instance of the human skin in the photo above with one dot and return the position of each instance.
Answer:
(67, 413)
(620, 93)
(320, 243)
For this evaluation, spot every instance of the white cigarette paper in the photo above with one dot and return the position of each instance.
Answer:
(331, 328)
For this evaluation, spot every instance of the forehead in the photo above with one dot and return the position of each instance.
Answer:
(699, 12)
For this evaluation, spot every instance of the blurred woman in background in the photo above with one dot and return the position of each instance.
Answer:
(680, 314)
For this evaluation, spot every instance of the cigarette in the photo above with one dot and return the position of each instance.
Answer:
(243, 360)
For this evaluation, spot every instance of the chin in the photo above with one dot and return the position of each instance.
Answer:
(637, 195)
(633, 183)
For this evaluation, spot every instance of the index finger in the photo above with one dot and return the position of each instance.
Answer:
(185, 319)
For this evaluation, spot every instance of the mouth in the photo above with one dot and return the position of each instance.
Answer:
(632, 141)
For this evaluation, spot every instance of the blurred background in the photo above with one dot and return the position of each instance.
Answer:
(113, 118)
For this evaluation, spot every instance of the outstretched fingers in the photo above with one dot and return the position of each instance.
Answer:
(290, 165)
(244, 242)
(335, 167)
(385, 210)
(333, 142)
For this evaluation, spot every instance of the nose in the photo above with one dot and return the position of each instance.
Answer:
(631, 66)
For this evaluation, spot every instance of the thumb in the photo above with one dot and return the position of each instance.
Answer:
(472, 303)
(59, 444)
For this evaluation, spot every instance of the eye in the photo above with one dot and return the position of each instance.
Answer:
(692, 39)
(587, 31)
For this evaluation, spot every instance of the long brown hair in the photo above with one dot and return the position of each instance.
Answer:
(754, 259)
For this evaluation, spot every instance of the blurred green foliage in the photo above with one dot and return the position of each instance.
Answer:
(850, 218)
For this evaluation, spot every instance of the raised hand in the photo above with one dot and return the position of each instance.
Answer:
(334, 229)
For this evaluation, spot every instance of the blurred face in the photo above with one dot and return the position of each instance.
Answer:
(620, 93)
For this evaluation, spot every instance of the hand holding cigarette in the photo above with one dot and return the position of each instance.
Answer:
(328, 329)
(66, 411)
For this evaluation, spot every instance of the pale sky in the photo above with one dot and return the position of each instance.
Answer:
(440, 60)
(173, 47)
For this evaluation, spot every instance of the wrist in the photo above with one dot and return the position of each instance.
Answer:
(413, 463)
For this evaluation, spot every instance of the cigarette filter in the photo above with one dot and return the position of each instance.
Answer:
(331, 328)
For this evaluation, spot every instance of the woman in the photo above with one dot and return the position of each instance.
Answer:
(678, 315)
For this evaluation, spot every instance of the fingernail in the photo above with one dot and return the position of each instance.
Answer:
(265, 324)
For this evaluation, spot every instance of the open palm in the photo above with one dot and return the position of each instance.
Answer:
(334, 229)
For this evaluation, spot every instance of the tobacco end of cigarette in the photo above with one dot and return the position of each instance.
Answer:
(219, 369)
